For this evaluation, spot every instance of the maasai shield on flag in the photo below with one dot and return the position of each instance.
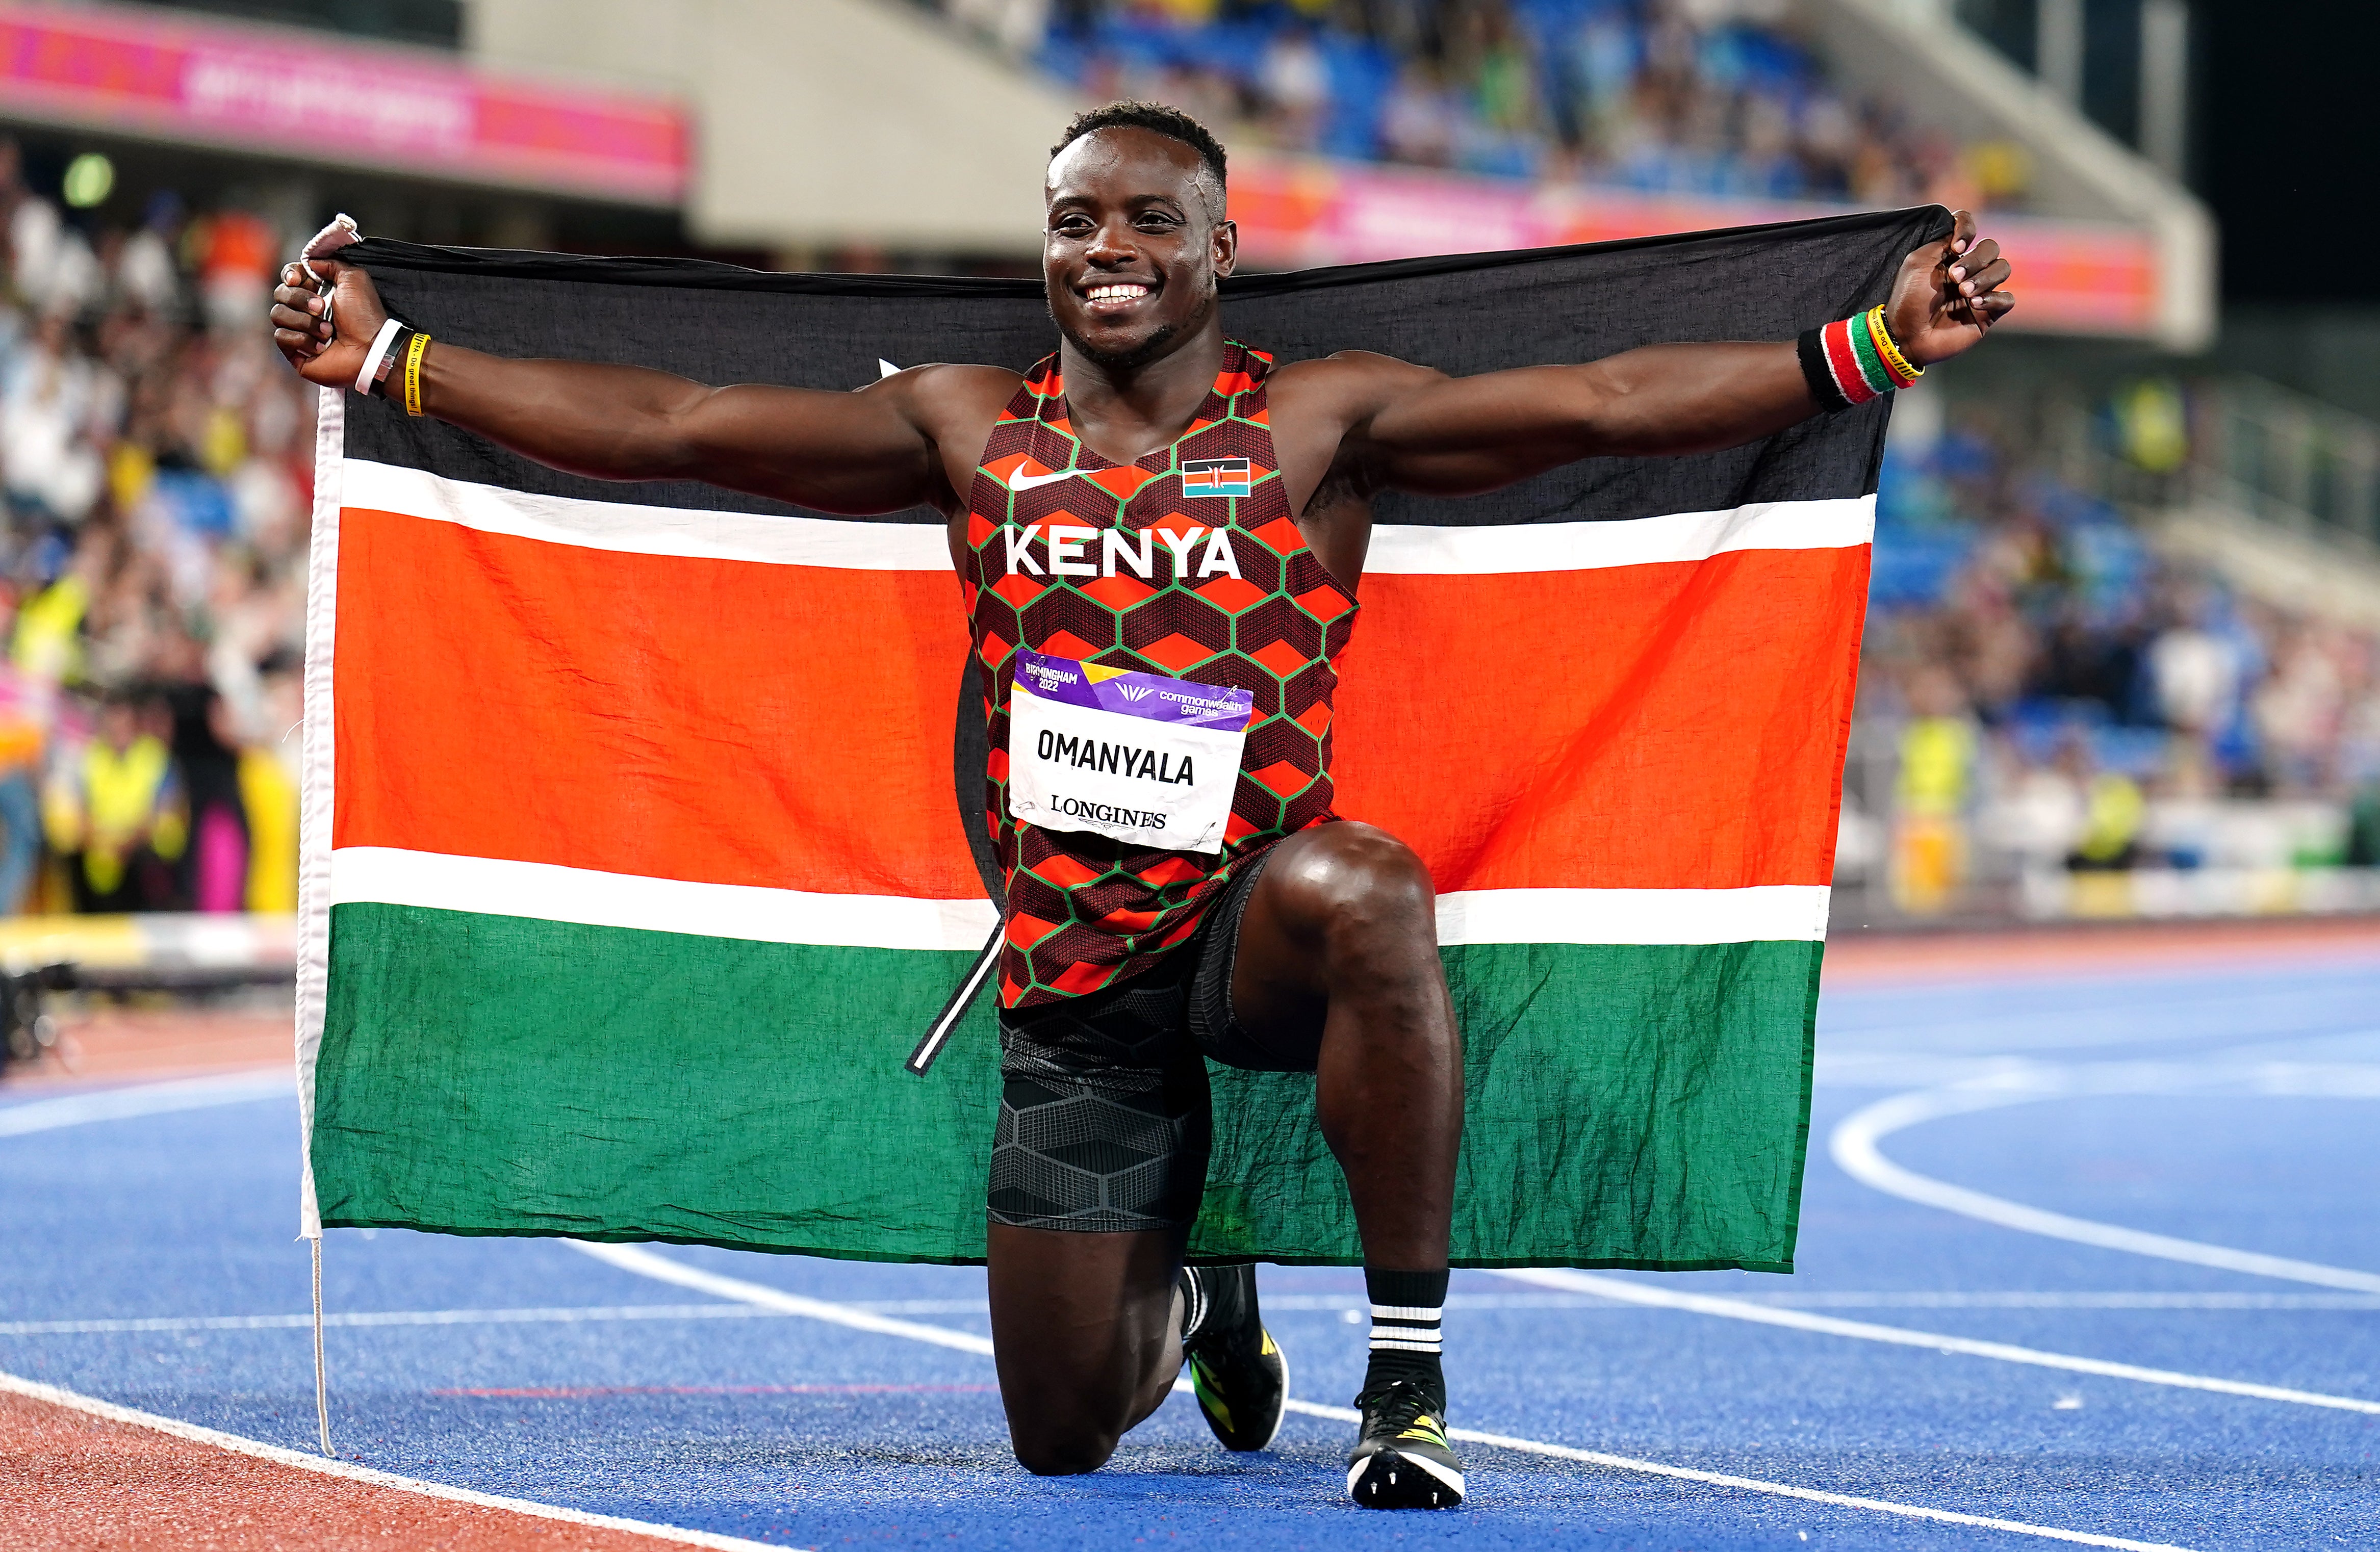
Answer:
(639, 847)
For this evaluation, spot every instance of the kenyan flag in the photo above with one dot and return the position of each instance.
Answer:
(644, 830)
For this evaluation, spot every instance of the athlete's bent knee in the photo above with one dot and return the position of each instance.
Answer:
(1351, 880)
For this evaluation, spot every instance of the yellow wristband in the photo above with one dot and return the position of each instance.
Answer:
(1886, 346)
(413, 373)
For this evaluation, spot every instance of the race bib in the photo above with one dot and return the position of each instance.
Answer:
(1134, 757)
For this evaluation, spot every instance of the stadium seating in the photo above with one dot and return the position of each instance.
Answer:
(1715, 98)
(157, 462)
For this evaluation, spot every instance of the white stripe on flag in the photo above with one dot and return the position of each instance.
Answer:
(854, 544)
(542, 892)
(841, 543)
(318, 785)
(1836, 524)
(1762, 913)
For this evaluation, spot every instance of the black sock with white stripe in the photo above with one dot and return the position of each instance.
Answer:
(1406, 1344)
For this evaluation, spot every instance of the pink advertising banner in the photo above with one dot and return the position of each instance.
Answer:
(313, 100)
(2078, 278)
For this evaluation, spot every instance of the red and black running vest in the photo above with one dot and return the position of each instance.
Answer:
(1084, 910)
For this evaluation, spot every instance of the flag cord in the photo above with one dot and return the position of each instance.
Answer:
(322, 1388)
(932, 1046)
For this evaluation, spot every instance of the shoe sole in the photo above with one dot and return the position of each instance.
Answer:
(1396, 1480)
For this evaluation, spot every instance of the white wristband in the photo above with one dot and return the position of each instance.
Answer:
(388, 331)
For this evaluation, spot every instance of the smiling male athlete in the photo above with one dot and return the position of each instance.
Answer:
(1178, 888)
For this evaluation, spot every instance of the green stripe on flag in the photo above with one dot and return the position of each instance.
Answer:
(497, 1076)
(1634, 1106)
(502, 1076)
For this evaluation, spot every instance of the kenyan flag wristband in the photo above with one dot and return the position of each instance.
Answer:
(1854, 360)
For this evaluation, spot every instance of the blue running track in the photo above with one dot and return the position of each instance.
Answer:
(2232, 1108)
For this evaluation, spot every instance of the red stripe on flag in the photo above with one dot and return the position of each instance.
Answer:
(711, 720)
(788, 727)
(1670, 726)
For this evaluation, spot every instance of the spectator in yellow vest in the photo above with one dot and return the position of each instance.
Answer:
(257, 713)
(47, 642)
(1939, 746)
(118, 808)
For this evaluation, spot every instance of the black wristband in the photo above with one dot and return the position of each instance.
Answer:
(1816, 371)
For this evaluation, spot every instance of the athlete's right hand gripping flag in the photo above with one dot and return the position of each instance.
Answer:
(638, 857)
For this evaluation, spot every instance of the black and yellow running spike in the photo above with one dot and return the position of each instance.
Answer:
(1236, 1369)
(1401, 1458)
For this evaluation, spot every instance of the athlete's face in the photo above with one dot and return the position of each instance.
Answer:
(1133, 245)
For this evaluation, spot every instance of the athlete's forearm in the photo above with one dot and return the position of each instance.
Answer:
(859, 453)
(610, 422)
(1459, 436)
(1668, 399)
(855, 453)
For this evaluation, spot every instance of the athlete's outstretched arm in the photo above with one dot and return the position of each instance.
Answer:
(866, 452)
(1437, 435)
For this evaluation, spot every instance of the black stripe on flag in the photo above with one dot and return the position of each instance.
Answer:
(1463, 314)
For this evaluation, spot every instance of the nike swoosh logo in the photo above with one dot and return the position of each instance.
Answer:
(1021, 481)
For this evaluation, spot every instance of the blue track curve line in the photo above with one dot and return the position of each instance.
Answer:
(645, 1262)
(1855, 1145)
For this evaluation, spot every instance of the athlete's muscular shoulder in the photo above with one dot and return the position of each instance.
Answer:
(954, 408)
(1322, 412)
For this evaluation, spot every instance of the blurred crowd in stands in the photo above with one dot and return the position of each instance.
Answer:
(156, 458)
(1705, 97)
(2042, 692)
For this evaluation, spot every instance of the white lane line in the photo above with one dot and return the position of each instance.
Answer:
(1901, 1299)
(1327, 1304)
(93, 1405)
(1854, 1146)
(142, 1099)
(1754, 1484)
(2070, 1301)
(644, 1263)
(1899, 1336)
(380, 1318)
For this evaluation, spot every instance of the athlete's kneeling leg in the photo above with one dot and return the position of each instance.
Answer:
(1336, 968)
(1097, 1168)
(1086, 1330)
(1339, 950)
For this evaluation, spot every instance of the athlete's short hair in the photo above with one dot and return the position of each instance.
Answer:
(1156, 117)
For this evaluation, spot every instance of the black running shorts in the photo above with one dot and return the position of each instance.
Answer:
(1103, 1126)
